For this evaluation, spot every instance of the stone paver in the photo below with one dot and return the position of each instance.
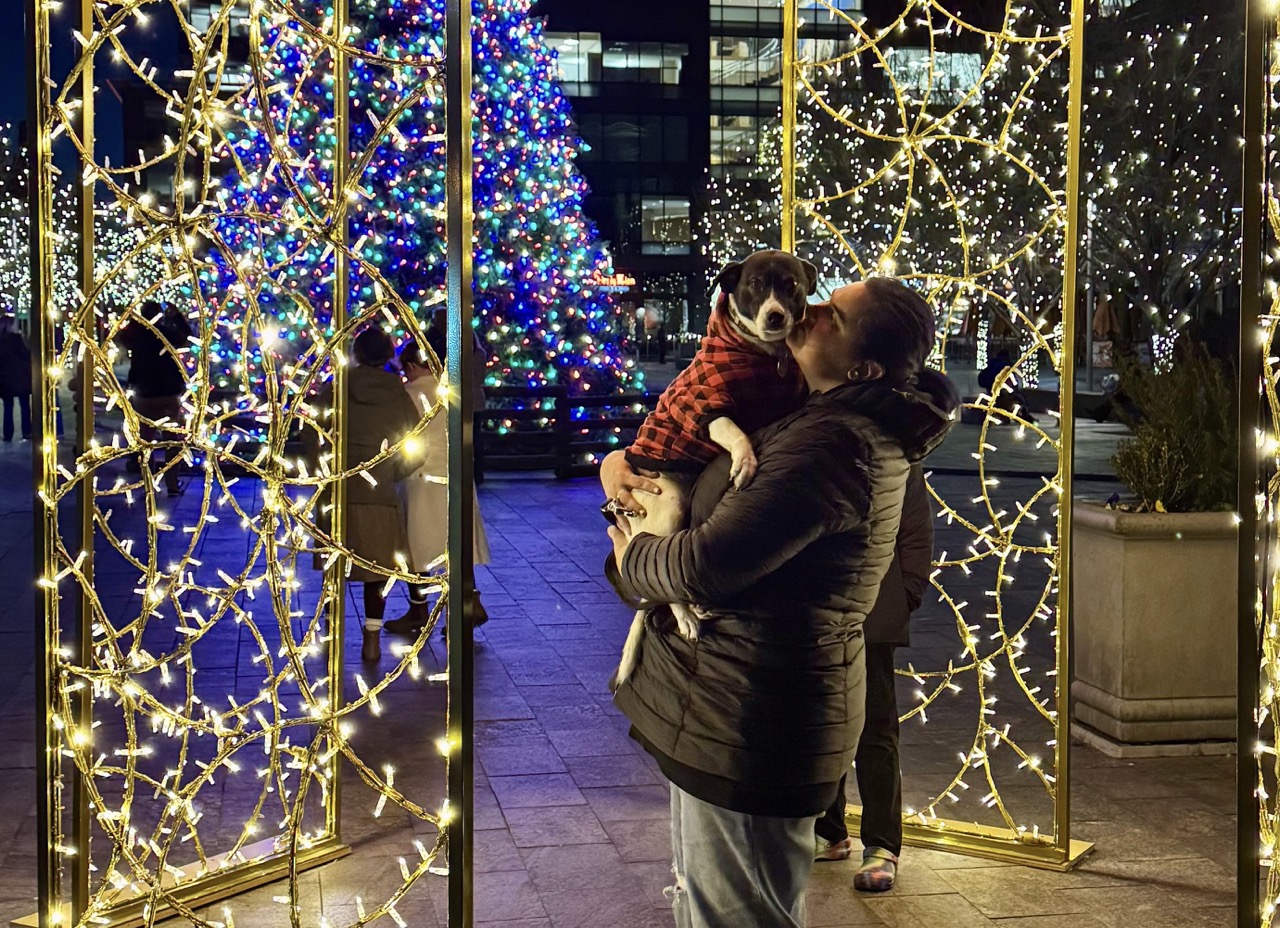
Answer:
(571, 816)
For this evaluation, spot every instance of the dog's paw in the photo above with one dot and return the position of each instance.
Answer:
(744, 466)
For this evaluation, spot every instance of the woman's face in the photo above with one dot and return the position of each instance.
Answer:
(823, 343)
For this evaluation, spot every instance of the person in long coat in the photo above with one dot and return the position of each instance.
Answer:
(15, 377)
(157, 381)
(426, 497)
(379, 415)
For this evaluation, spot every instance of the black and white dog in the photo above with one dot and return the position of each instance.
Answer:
(741, 379)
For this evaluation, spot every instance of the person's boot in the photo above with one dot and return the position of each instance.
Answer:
(479, 615)
(412, 622)
(371, 649)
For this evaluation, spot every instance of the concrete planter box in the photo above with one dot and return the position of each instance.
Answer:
(1154, 611)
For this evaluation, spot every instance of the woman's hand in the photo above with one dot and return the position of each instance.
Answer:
(620, 481)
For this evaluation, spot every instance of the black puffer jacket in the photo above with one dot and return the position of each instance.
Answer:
(772, 694)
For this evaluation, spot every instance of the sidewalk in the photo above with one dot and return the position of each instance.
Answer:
(571, 816)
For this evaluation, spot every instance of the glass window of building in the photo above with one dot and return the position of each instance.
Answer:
(831, 6)
(953, 73)
(638, 138)
(665, 227)
(585, 58)
(746, 11)
(734, 139)
(745, 61)
(579, 55)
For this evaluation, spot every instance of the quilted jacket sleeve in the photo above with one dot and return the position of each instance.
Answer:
(808, 486)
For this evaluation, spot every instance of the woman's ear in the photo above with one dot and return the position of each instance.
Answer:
(866, 371)
(811, 277)
(728, 278)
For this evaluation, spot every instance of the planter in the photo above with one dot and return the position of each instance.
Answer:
(1154, 620)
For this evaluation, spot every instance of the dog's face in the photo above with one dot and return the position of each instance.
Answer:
(768, 292)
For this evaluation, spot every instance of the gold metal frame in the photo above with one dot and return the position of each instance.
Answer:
(65, 759)
(461, 367)
(1258, 583)
(1034, 848)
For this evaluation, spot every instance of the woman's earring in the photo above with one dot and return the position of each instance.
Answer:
(854, 374)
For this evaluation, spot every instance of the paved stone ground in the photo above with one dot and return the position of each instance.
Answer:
(571, 817)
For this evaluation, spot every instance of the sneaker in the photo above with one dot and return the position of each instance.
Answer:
(833, 850)
(878, 871)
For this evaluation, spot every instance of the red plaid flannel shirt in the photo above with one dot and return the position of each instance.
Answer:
(730, 377)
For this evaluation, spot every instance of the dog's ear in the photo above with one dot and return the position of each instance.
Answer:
(728, 278)
(810, 277)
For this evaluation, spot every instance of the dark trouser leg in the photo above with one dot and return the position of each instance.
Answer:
(156, 408)
(831, 826)
(24, 404)
(375, 606)
(877, 769)
(8, 418)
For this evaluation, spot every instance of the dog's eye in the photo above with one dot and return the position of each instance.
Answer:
(755, 283)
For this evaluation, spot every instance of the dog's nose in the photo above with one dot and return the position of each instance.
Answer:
(775, 320)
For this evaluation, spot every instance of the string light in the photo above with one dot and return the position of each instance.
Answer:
(247, 251)
(1266, 505)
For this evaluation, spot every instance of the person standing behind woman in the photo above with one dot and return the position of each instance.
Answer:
(157, 378)
(379, 415)
(876, 764)
(426, 497)
(15, 377)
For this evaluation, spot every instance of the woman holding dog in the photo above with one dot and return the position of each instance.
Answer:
(757, 720)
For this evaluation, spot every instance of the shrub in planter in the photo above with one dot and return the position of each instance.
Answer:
(1182, 456)
(1153, 594)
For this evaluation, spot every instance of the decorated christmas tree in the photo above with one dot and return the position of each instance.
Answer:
(536, 254)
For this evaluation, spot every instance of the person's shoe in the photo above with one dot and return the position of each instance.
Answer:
(878, 871)
(371, 650)
(833, 850)
(479, 615)
(412, 622)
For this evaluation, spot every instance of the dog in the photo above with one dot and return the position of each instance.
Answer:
(741, 379)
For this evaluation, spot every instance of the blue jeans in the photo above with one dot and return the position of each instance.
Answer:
(734, 870)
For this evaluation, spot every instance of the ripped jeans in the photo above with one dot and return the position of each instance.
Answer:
(734, 869)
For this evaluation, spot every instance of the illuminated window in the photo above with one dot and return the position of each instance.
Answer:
(665, 227)
(585, 58)
(734, 139)
(954, 73)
